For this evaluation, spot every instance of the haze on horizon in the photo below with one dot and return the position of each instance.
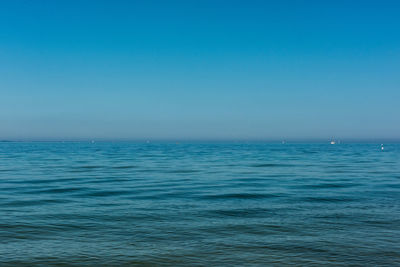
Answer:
(199, 69)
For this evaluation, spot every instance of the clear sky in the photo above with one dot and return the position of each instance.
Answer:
(199, 69)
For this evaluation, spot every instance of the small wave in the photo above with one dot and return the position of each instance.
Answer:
(240, 196)
(182, 171)
(9, 170)
(25, 203)
(266, 165)
(328, 185)
(125, 167)
(61, 190)
(308, 152)
(243, 213)
(108, 193)
(89, 167)
(85, 168)
(328, 199)
(255, 229)
(42, 181)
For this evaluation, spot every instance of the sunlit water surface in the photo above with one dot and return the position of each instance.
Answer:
(113, 204)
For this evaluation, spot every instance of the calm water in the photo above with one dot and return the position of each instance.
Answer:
(199, 204)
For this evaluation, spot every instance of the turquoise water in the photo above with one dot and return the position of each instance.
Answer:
(113, 204)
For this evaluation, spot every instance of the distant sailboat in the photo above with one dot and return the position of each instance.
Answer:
(333, 142)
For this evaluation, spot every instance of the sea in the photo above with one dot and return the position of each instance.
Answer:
(199, 204)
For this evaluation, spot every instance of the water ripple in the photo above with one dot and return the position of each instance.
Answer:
(122, 204)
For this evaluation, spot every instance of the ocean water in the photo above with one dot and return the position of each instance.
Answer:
(127, 204)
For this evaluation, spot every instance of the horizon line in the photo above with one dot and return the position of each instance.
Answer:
(206, 140)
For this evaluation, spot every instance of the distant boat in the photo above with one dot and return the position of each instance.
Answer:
(333, 142)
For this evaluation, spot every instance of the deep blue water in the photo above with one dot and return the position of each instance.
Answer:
(151, 204)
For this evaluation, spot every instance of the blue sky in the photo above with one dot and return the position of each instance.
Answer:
(199, 70)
